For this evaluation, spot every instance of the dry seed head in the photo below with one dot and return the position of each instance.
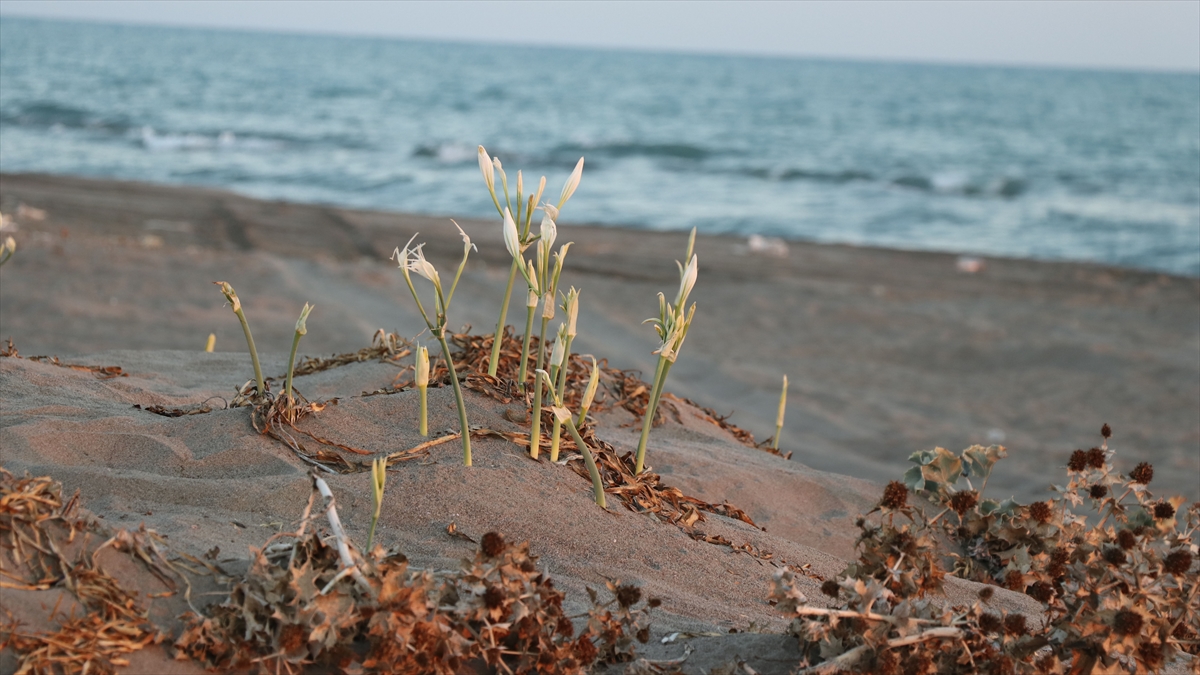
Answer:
(1163, 510)
(1014, 624)
(830, 588)
(1096, 458)
(1142, 474)
(1128, 622)
(1126, 539)
(1098, 491)
(1178, 562)
(964, 501)
(895, 495)
(1078, 461)
(1106, 431)
(492, 544)
(628, 595)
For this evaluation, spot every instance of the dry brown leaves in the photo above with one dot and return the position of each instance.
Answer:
(385, 347)
(35, 527)
(496, 613)
(199, 409)
(101, 372)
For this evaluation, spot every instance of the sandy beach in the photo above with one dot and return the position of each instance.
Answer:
(888, 352)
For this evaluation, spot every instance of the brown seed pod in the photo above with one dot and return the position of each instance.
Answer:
(1078, 461)
(964, 501)
(1178, 562)
(830, 588)
(1126, 539)
(1163, 510)
(1142, 473)
(895, 496)
(1095, 458)
(1098, 491)
(493, 544)
(628, 595)
(1106, 431)
(1014, 624)
(1041, 511)
(1127, 622)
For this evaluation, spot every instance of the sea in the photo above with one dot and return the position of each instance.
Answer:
(1046, 163)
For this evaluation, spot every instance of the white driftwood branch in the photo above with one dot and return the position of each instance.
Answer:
(339, 535)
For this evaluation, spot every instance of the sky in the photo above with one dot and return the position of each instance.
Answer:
(1109, 34)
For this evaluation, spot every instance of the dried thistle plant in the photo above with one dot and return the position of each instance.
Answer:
(1119, 590)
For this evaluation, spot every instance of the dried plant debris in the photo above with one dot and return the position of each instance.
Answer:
(36, 532)
(1119, 590)
(101, 372)
(198, 409)
(297, 606)
(385, 348)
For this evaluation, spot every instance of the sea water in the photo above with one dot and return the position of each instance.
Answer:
(1037, 163)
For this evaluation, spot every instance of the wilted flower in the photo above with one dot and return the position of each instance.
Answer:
(413, 260)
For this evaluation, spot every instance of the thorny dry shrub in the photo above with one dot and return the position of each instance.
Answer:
(36, 528)
(496, 613)
(1119, 592)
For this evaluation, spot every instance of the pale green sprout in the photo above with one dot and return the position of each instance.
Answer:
(7, 249)
(413, 260)
(589, 393)
(564, 416)
(378, 482)
(301, 330)
(535, 421)
(421, 379)
(779, 416)
(672, 326)
(232, 297)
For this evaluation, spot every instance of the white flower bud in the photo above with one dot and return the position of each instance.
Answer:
(488, 171)
(421, 376)
(301, 328)
(571, 184)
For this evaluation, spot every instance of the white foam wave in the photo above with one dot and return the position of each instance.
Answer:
(226, 140)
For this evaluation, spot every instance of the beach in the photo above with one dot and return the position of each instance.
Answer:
(887, 352)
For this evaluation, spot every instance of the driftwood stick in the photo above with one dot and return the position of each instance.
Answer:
(851, 657)
(339, 535)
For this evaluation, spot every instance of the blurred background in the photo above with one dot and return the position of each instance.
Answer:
(1066, 131)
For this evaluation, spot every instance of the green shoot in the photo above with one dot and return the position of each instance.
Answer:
(421, 379)
(413, 260)
(232, 297)
(301, 330)
(779, 417)
(672, 326)
(564, 416)
(378, 481)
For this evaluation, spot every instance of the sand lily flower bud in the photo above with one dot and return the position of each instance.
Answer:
(571, 184)
(687, 279)
(421, 379)
(301, 323)
(512, 240)
(571, 307)
(557, 354)
(537, 196)
(549, 230)
(589, 393)
(488, 170)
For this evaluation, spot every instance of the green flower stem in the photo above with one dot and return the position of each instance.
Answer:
(535, 429)
(597, 485)
(523, 375)
(462, 408)
(660, 375)
(258, 376)
(541, 355)
(556, 430)
(424, 398)
(291, 366)
(494, 361)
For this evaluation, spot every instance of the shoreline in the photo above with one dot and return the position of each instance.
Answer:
(888, 351)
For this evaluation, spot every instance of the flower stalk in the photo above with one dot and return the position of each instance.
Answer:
(378, 482)
(564, 416)
(672, 326)
(301, 330)
(421, 379)
(412, 260)
(535, 420)
(232, 297)
(589, 393)
(779, 416)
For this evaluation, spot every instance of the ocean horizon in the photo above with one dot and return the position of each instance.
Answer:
(1052, 164)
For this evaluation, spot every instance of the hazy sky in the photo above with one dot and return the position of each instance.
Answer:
(1157, 35)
